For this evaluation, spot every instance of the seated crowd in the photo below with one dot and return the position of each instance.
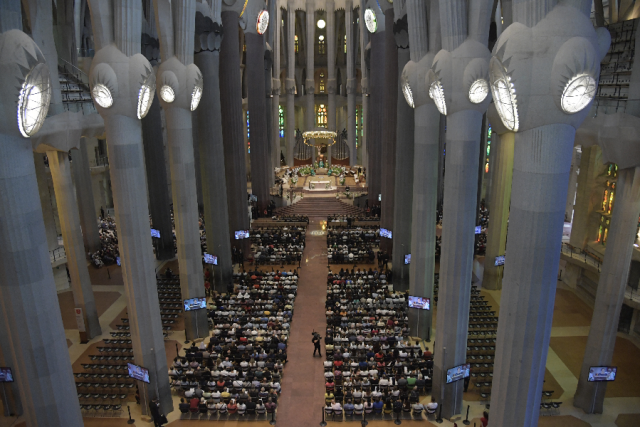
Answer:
(278, 245)
(109, 251)
(352, 245)
(371, 366)
(239, 368)
(346, 220)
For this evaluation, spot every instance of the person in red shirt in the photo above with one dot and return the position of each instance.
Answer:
(207, 287)
(193, 407)
(485, 419)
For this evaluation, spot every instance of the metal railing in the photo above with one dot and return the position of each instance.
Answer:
(99, 161)
(57, 254)
(582, 255)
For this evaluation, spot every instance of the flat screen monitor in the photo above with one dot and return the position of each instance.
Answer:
(602, 373)
(210, 259)
(407, 259)
(242, 234)
(118, 260)
(195, 304)
(419, 302)
(457, 373)
(138, 372)
(499, 260)
(478, 229)
(386, 233)
(5, 375)
(155, 233)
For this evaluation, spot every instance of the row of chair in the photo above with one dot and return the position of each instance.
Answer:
(101, 410)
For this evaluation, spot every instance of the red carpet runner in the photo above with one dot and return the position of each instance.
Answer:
(300, 404)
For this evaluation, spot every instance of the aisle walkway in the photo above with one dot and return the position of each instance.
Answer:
(300, 404)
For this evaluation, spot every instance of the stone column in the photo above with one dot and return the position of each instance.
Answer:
(31, 315)
(156, 167)
(11, 405)
(232, 134)
(290, 121)
(73, 244)
(185, 215)
(403, 191)
(587, 201)
(331, 68)
(309, 85)
(178, 72)
(502, 145)
(351, 84)
(456, 260)
(375, 117)
(276, 28)
(45, 201)
(260, 162)
(117, 39)
(542, 160)
(611, 288)
(86, 204)
(388, 143)
(573, 182)
(208, 118)
(364, 83)
(425, 171)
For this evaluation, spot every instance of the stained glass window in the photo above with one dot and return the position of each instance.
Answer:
(296, 43)
(321, 85)
(358, 124)
(486, 165)
(248, 133)
(322, 116)
(281, 120)
(322, 49)
(345, 43)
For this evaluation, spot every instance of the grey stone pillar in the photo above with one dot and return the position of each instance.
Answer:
(375, 117)
(425, 178)
(260, 162)
(28, 297)
(542, 159)
(208, 119)
(456, 260)
(156, 167)
(120, 24)
(126, 166)
(309, 85)
(573, 182)
(276, 29)
(331, 68)
(502, 146)
(587, 201)
(403, 191)
(45, 201)
(423, 219)
(11, 406)
(232, 134)
(351, 84)
(389, 111)
(364, 82)
(185, 215)
(290, 121)
(73, 244)
(611, 288)
(86, 204)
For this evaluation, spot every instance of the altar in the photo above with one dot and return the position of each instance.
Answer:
(321, 183)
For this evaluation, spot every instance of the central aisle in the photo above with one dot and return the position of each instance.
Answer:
(300, 404)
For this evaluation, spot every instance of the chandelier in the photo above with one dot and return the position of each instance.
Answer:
(321, 135)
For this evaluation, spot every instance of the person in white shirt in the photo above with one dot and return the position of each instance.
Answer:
(432, 406)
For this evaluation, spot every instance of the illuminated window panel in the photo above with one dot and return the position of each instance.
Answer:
(322, 116)
(296, 47)
(281, 120)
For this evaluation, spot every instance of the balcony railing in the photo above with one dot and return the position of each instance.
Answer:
(582, 255)
(57, 254)
(99, 161)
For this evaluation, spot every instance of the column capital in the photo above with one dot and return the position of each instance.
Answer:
(352, 86)
(364, 83)
(309, 86)
(275, 86)
(331, 86)
(290, 86)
